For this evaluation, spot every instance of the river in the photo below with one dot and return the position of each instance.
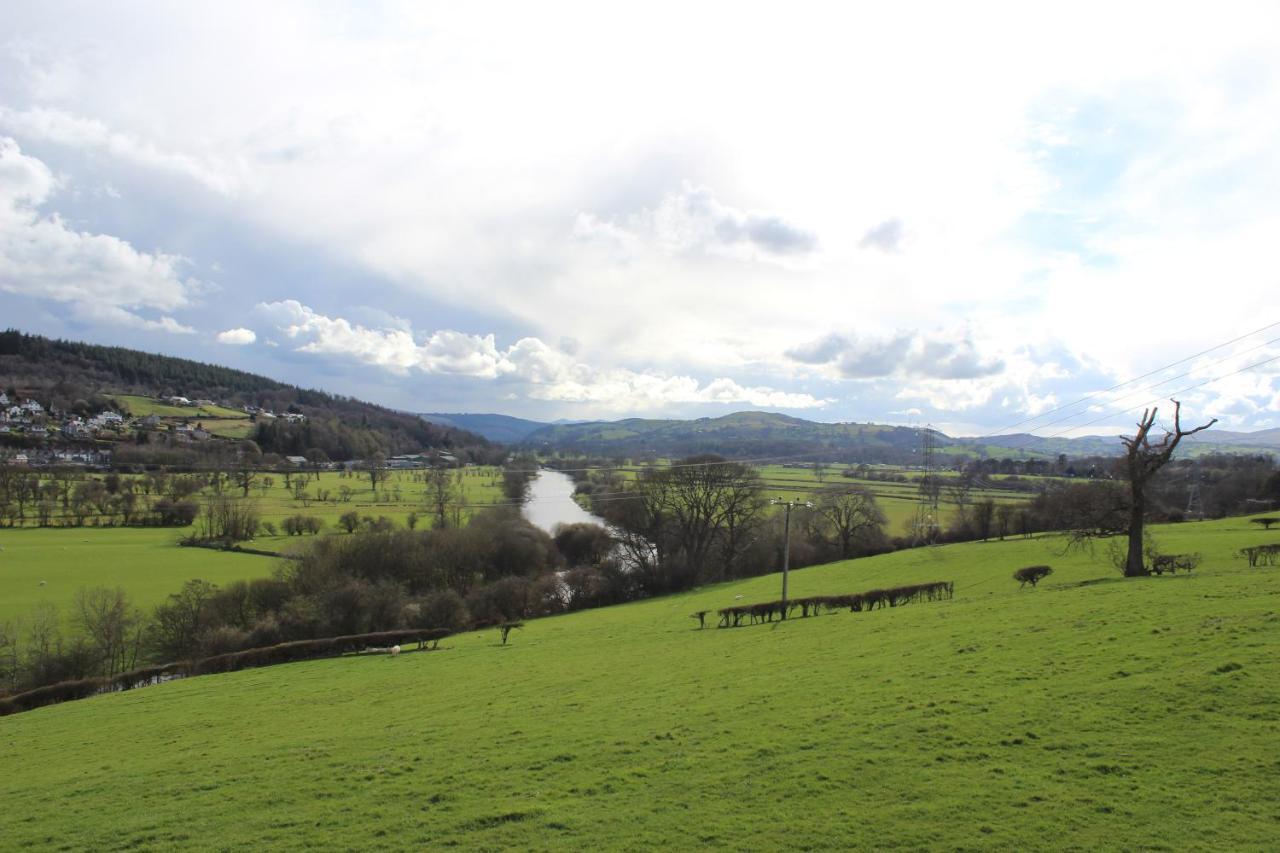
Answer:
(551, 502)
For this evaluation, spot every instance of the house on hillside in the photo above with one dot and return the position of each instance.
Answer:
(203, 403)
(76, 428)
(179, 401)
(4, 399)
(20, 459)
(150, 422)
(33, 408)
(296, 460)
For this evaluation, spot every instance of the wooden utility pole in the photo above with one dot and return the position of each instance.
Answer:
(786, 547)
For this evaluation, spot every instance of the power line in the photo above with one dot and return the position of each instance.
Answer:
(1171, 393)
(1030, 437)
(1096, 394)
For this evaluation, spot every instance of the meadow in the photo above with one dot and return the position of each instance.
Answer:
(1092, 712)
(149, 563)
(49, 564)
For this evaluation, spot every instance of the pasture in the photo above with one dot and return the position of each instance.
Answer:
(1090, 712)
(147, 562)
(140, 407)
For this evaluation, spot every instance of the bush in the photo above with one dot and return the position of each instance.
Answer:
(504, 600)
(444, 609)
(224, 639)
(1031, 575)
(63, 691)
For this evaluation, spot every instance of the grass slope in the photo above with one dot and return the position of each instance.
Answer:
(1092, 712)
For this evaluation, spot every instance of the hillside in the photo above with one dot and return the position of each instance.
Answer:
(761, 434)
(501, 428)
(87, 378)
(1089, 713)
(742, 434)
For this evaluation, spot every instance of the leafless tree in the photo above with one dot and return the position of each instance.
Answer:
(1142, 460)
(441, 495)
(112, 625)
(852, 515)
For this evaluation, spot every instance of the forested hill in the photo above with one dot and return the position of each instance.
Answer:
(741, 435)
(767, 434)
(80, 377)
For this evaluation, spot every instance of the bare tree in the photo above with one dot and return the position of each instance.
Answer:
(1142, 460)
(441, 495)
(112, 625)
(698, 506)
(852, 515)
(9, 651)
(244, 476)
(376, 467)
(960, 491)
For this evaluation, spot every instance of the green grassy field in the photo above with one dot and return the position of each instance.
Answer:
(898, 501)
(147, 562)
(401, 493)
(140, 407)
(1091, 713)
(150, 565)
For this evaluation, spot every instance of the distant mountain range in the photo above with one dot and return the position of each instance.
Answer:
(501, 428)
(752, 434)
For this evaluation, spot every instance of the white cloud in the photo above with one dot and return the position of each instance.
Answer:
(237, 337)
(693, 220)
(546, 373)
(52, 125)
(944, 355)
(701, 215)
(96, 274)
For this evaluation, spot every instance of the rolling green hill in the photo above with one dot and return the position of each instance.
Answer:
(768, 434)
(742, 434)
(1090, 713)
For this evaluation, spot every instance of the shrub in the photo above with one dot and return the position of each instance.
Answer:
(1031, 575)
(444, 609)
(63, 691)
(1171, 563)
(223, 639)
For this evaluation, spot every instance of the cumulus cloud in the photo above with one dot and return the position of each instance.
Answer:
(99, 275)
(693, 220)
(547, 373)
(904, 354)
(237, 337)
(62, 128)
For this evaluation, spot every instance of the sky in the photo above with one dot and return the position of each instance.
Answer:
(969, 215)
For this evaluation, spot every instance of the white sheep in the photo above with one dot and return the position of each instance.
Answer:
(395, 650)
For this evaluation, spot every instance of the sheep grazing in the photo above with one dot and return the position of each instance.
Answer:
(394, 650)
